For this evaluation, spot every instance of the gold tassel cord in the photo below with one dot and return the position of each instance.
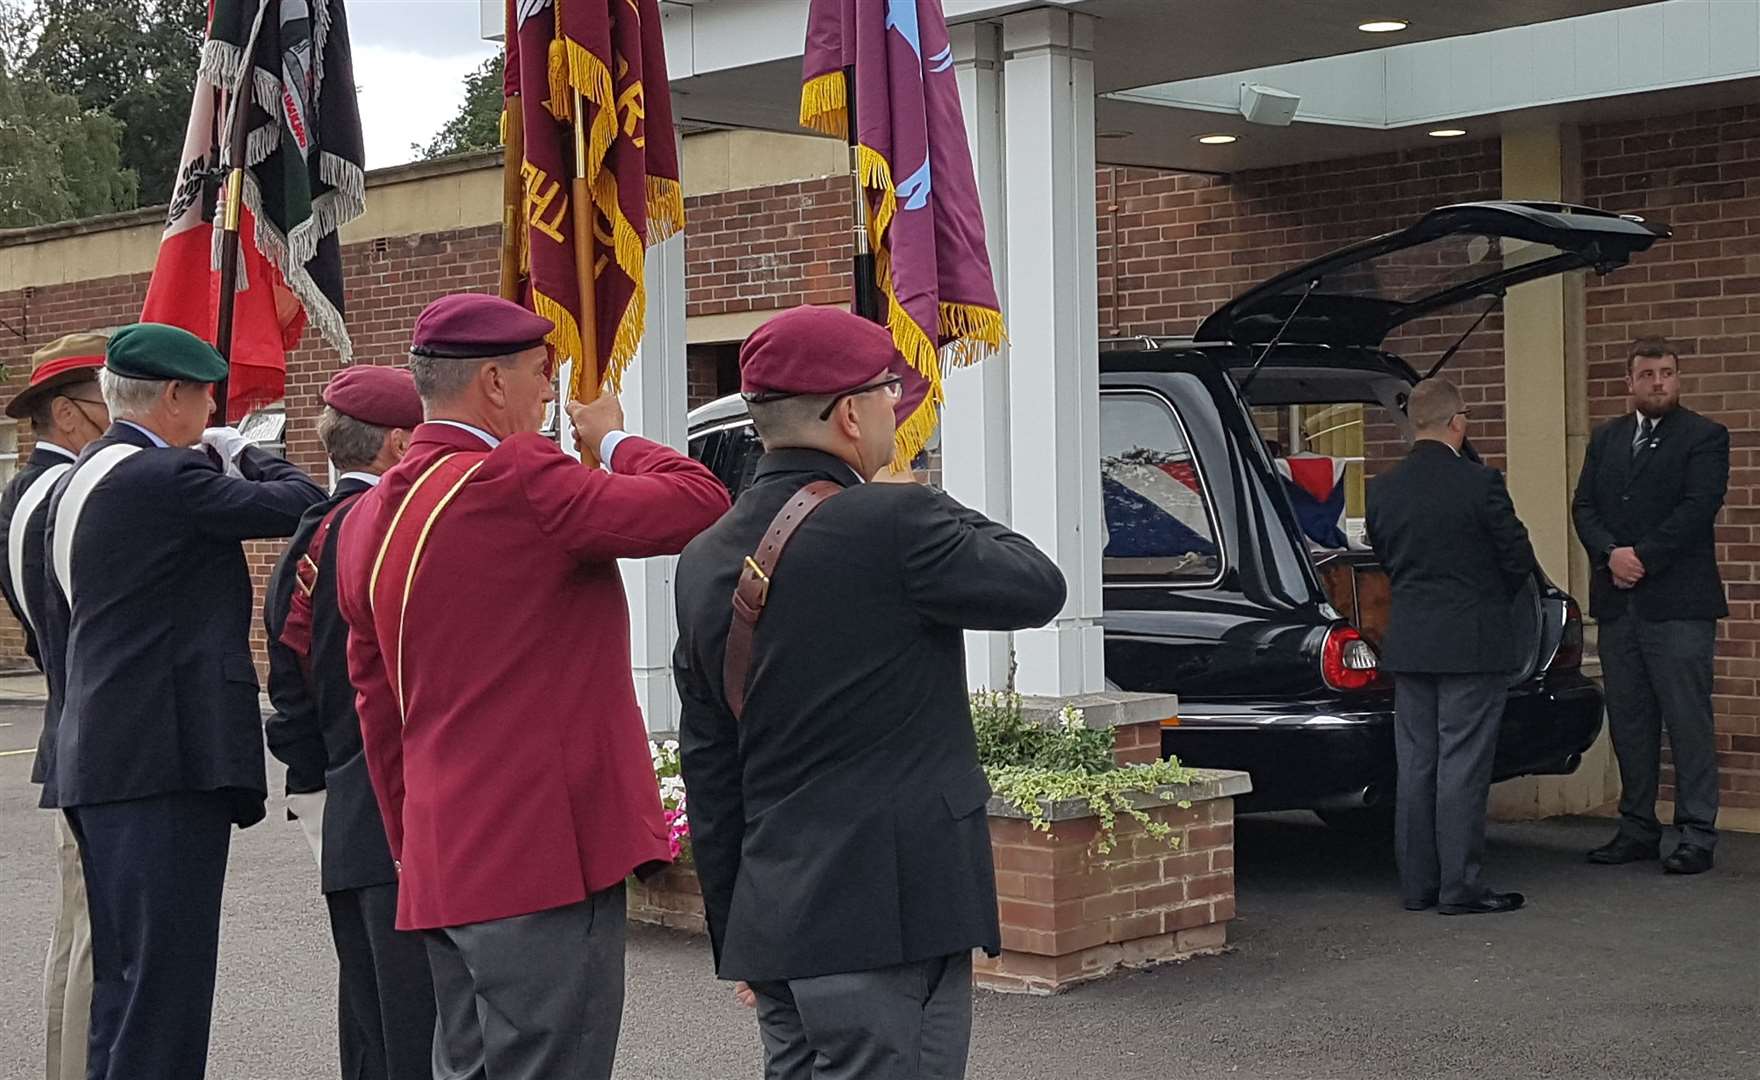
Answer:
(824, 105)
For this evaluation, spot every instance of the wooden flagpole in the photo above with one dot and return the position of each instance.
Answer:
(513, 197)
(586, 259)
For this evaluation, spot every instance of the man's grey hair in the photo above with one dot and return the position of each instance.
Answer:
(1434, 402)
(788, 421)
(129, 398)
(351, 444)
(440, 379)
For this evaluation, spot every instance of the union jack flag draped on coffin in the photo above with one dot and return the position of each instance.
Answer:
(1316, 490)
(612, 52)
(926, 227)
(304, 179)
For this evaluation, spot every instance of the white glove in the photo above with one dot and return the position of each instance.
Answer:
(308, 809)
(228, 442)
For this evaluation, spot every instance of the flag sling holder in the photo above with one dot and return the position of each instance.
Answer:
(232, 211)
(864, 284)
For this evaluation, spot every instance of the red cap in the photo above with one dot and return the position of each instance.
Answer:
(466, 326)
(382, 396)
(819, 351)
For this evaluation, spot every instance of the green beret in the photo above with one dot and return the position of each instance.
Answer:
(164, 353)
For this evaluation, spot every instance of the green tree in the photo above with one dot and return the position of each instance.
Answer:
(57, 159)
(478, 123)
(134, 60)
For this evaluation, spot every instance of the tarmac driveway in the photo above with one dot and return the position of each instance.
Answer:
(1611, 972)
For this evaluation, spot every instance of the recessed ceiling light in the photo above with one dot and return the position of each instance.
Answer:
(1382, 26)
(1447, 133)
(1218, 139)
(1116, 133)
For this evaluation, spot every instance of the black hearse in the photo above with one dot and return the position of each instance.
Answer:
(1232, 469)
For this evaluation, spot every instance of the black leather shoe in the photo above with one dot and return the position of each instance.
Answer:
(1688, 859)
(1489, 904)
(1623, 850)
(1422, 904)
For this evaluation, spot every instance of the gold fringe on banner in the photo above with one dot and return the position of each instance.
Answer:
(824, 107)
(572, 65)
(665, 209)
(565, 335)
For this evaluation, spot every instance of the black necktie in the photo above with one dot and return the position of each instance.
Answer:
(1645, 427)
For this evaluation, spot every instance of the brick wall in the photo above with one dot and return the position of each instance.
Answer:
(1700, 173)
(389, 283)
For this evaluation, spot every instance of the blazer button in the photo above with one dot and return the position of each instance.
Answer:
(1625, 498)
(397, 866)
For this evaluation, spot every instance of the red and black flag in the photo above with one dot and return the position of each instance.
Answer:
(304, 178)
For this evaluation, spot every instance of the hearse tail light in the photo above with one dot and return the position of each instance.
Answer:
(1569, 656)
(1347, 661)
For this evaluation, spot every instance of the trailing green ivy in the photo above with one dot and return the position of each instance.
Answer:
(1032, 765)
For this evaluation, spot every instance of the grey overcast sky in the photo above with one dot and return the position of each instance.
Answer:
(410, 59)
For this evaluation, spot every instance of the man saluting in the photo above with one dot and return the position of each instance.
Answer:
(836, 800)
(489, 643)
(386, 1009)
(159, 747)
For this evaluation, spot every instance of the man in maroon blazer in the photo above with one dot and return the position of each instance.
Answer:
(489, 647)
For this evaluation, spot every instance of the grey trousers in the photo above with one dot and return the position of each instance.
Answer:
(1659, 674)
(910, 1022)
(533, 997)
(1445, 735)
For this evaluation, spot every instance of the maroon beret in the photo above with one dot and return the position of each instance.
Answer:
(465, 326)
(823, 350)
(382, 396)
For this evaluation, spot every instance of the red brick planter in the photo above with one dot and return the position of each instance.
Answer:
(1070, 913)
(672, 898)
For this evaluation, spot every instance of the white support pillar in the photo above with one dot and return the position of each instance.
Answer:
(1053, 371)
(975, 425)
(654, 406)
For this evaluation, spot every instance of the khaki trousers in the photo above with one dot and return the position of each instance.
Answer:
(67, 975)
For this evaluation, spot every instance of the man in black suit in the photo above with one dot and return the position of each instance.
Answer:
(836, 800)
(1646, 506)
(158, 745)
(385, 994)
(1456, 554)
(66, 412)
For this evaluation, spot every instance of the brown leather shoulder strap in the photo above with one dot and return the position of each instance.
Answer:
(753, 589)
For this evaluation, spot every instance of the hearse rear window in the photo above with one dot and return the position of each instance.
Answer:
(1158, 520)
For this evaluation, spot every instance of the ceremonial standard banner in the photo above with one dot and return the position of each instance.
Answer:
(303, 180)
(611, 51)
(925, 224)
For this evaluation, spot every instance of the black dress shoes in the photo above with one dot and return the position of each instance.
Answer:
(1489, 904)
(1623, 850)
(1424, 903)
(1688, 859)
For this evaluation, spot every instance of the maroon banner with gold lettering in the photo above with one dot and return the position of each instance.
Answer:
(611, 53)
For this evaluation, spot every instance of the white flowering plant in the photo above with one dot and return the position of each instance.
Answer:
(666, 773)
